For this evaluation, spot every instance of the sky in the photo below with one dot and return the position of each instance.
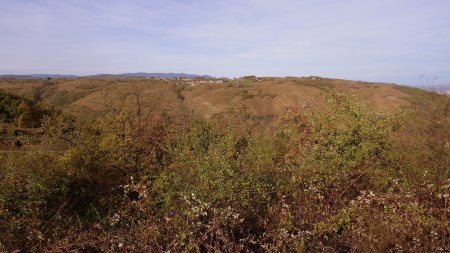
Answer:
(394, 41)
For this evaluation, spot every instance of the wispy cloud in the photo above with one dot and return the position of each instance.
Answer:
(394, 41)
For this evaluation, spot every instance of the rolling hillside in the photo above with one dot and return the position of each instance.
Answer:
(254, 164)
(265, 98)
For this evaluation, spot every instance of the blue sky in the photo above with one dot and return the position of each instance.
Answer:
(377, 40)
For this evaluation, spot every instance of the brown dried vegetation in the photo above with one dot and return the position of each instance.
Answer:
(146, 177)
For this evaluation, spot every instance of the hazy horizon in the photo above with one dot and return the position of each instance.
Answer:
(383, 41)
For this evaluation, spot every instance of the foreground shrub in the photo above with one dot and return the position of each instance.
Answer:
(328, 182)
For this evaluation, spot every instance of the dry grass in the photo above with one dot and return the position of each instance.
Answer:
(268, 97)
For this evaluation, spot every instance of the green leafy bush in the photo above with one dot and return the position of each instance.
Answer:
(334, 181)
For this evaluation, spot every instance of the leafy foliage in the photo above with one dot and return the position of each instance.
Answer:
(334, 181)
(17, 109)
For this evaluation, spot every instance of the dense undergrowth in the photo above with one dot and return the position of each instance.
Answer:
(21, 111)
(341, 180)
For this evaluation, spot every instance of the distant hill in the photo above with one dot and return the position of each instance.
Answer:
(17, 76)
(32, 76)
(163, 75)
(135, 74)
(52, 76)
